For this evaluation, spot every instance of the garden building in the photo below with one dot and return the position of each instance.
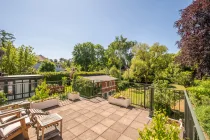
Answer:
(19, 86)
(107, 84)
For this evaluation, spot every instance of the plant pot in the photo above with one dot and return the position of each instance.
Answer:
(179, 124)
(73, 96)
(44, 104)
(120, 102)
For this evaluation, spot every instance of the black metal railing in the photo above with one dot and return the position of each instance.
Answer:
(193, 130)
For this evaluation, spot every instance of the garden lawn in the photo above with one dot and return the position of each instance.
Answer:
(136, 96)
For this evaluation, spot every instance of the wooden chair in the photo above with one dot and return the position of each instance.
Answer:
(35, 112)
(11, 129)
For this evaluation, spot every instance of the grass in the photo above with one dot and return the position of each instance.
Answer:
(177, 87)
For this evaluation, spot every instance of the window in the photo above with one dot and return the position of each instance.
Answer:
(10, 88)
(1, 86)
(110, 83)
(32, 85)
(106, 84)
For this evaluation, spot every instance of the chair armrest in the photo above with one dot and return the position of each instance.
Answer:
(13, 121)
(6, 114)
(12, 110)
(8, 106)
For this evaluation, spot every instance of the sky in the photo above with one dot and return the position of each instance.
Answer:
(53, 27)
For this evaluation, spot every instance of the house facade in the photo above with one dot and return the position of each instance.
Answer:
(107, 83)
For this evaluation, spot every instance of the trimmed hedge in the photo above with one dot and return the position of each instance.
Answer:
(54, 76)
(83, 73)
(57, 76)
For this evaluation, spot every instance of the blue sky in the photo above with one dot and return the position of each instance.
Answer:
(53, 27)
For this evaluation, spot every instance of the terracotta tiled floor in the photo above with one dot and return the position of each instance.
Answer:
(86, 120)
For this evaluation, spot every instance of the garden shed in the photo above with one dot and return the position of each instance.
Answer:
(19, 86)
(106, 82)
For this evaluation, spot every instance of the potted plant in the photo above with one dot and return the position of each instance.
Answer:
(73, 95)
(41, 99)
(119, 99)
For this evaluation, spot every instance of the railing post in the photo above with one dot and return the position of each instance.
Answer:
(151, 102)
(144, 96)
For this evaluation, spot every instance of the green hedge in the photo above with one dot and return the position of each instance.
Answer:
(55, 76)
(83, 73)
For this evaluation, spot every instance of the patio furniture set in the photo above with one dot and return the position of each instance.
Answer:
(17, 118)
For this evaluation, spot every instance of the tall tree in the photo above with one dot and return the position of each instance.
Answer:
(119, 52)
(47, 66)
(100, 59)
(84, 55)
(4, 38)
(147, 61)
(194, 29)
(26, 59)
(9, 59)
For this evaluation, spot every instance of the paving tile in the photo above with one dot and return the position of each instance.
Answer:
(142, 119)
(99, 128)
(105, 113)
(124, 109)
(100, 138)
(137, 125)
(83, 111)
(120, 113)
(79, 129)
(130, 116)
(125, 121)
(74, 107)
(107, 122)
(134, 112)
(90, 108)
(71, 116)
(111, 110)
(68, 136)
(131, 133)
(103, 102)
(64, 113)
(88, 135)
(144, 113)
(70, 124)
(81, 118)
(98, 110)
(114, 117)
(123, 137)
(105, 107)
(97, 118)
(89, 123)
(90, 114)
(97, 105)
(119, 127)
(110, 134)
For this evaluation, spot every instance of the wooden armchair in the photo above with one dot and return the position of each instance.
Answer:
(15, 127)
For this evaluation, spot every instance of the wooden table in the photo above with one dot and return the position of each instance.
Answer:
(49, 120)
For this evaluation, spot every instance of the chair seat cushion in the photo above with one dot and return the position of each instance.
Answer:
(6, 119)
(12, 127)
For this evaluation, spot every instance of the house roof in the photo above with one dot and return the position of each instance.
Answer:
(98, 78)
(41, 57)
(20, 77)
